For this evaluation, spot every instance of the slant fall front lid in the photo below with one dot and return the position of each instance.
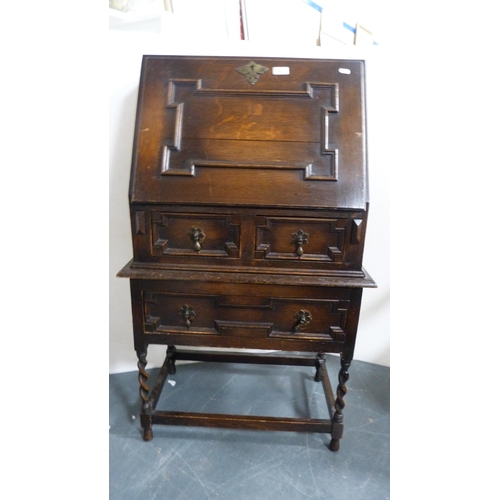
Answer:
(291, 132)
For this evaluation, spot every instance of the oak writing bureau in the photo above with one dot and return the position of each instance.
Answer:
(248, 204)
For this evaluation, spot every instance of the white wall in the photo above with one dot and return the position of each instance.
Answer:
(126, 50)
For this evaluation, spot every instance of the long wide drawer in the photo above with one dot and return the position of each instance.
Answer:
(244, 316)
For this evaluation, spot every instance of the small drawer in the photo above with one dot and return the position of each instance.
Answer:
(195, 235)
(331, 243)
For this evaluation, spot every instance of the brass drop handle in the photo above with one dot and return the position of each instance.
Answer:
(303, 318)
(197, 236)
(298, 239)
(188, 314)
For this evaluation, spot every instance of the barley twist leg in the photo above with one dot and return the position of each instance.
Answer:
(338, 416)
(146, 422)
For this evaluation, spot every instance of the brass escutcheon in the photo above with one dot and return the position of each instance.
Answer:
(252, 71)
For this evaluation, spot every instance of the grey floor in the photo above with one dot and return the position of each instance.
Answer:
(202, 463)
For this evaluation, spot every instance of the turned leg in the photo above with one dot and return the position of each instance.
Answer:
(320, 360)
(338, 417)
(146, 422)
(171, 360)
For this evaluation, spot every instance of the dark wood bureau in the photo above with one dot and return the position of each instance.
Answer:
(248, 204)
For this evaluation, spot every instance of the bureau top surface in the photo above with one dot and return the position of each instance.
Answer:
(250, 131)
